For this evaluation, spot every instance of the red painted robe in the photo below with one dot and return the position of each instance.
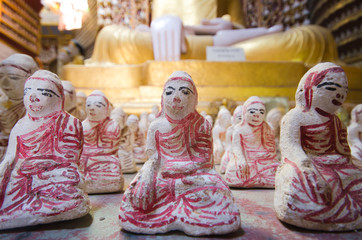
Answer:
(99, 161)
(44, 179)
(189, 191)
(259, 150)
(331, 191)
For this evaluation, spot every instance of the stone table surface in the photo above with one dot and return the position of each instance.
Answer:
(258, 221)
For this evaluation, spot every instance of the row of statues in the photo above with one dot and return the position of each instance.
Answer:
(54, 160)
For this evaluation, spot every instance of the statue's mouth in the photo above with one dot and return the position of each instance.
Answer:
(337, 103)
(36, 108)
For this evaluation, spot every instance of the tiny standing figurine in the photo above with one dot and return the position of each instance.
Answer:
(70, 104)
(178, 187)
(317, 186)
(14, 71)
(253, 161)
(39, 178)
(237, 116)
(99, 161)
(125, 151)
(355, 133)
(219, 133)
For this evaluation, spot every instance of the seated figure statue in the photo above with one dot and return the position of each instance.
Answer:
(178, 187)
(14, 70)
(39, 178)
(137, 139)
(99, 161)
(125, 151)
(355, 134)
(223, 121)
(167, 40)
(237, 116)
(253, 161)
(317, 186)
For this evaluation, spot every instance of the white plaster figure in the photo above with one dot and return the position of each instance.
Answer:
(139, 143)
(317, 186)
(355, 133)
(253, 161)
(125, 151)
(237, 116)
(14, 70)
(99, 161)
(219, 133)
(178, 187)
(39, 177)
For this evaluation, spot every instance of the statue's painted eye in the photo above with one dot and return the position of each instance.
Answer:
(168, 93)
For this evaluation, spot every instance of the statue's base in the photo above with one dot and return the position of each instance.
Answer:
(136, 88)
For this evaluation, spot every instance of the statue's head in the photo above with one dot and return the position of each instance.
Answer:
(132, 122)
(179, 97)
(238, 114)
(253, 111)
(14, 71)
(97, 106)
(43, 94)
(118, 115)
(324, 86)
(70, 96)
(224, 117)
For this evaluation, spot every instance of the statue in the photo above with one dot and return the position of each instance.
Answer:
(138, 139)
(223, 121)
(317, 186)
(274, 118)
(253, 162)
(14, 70)
(125, 151)
(81, 99)
(178, 187)
(70, 103)
(119, 45)
(355, 133)
(39, 177)
(237, 116)
(99, 161)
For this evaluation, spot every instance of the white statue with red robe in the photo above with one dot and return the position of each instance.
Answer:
(39, 178)
(14, 70)
(178, 187)
(99, 161)
(317, 186)
(254, 160)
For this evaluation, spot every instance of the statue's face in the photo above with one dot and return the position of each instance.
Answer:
(41, 97)
(254, 114)
(331, 93)
(69, 97)
(179, 98)
(96, 108)
(12, 81)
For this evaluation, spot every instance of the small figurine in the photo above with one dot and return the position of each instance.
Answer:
(355, 133)
(139, 143)
(274, 118)
(39, 178)
(253, 161)
(178, 187)
(14, 70)
(81, 99)
(70, 104)
(317, 186)
(219, 133)
(125, 151)
(99, 161)
(237, 116)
